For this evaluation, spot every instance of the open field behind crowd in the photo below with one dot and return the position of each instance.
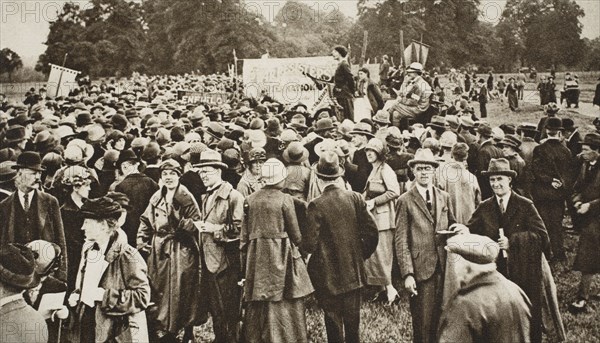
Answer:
(382, 324)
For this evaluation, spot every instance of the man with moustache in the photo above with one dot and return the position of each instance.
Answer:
(30, 214)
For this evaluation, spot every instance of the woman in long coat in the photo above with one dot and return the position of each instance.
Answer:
(119, 316)
(381, 191)
(276, 276)
(511, 94)
(172, 252)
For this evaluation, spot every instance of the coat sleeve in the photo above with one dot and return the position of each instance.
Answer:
(369, 234)
(60, 238)
(401, 239)
(536, 224)
(377, 96)
(145, 231)
(136, 295)
(290, 221)
(309, 244)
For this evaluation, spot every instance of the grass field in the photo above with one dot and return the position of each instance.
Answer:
(382, 324)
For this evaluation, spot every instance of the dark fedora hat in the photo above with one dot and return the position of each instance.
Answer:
(17, 266)
(29, 160)
(499, 166)
(21, 119)
(328, 167)
(126, 155)
(295, 153)
(526, 127)
(324, 124)
(568, 124)
(554, 123)
(84, 119)
(15, 133)
(592, 140)
(437, 122)
(394, 142)
(7, 172)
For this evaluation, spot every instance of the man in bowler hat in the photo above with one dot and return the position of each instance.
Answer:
(341, 234)
(29, 214)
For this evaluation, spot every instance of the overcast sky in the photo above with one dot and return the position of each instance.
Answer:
(24, 25)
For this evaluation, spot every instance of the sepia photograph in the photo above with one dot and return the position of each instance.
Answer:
(299, 171)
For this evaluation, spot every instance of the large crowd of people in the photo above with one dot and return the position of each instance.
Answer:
(152, 214)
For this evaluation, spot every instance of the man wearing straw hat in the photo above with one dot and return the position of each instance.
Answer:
(421, 213)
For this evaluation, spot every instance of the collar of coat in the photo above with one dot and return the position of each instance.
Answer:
(223, 190)
(485, 278)
(182, 196)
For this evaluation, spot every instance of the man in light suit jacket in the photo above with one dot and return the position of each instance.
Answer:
(421, 213)
(29, 214)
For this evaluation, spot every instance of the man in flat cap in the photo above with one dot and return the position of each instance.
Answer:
(488, 307)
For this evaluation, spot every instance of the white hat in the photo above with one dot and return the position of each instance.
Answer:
(273, 172)
(415, 67)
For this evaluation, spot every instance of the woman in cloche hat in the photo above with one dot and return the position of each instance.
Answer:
(269, 241)
(381, 191)
(172, 253)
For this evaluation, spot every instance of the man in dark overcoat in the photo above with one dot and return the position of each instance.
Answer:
(138, 187)
(341, 234)
(421, 212)
(552, 170)
(586, 198)
(30, 214)
(523, 238)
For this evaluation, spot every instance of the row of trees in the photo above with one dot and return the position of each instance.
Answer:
(116, 37)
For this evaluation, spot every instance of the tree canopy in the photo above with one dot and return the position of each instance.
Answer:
(10, 62)
(117, 37)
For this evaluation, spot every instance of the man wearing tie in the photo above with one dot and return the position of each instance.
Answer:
(30, 214)
(421, 213)
(523, 237)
